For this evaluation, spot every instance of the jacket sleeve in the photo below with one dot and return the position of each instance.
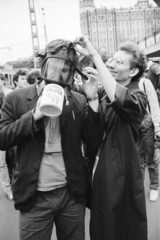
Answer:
(153, 103)
(130, 105)
(14, 130)
(93, 128)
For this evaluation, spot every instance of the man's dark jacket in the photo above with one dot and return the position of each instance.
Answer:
(17, 128)
(118, 208)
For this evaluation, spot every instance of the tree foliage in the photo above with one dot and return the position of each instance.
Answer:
(22, 63)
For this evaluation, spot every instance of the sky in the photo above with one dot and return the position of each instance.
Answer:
(61, 21)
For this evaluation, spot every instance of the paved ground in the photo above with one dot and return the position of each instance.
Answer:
(9, 218)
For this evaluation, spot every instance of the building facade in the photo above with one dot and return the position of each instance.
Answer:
(107, 28)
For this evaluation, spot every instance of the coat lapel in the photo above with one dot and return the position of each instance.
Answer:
(32, 97)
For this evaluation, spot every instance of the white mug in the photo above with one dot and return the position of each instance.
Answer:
(52, 100)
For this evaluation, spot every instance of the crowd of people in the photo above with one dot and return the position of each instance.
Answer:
(93, 154)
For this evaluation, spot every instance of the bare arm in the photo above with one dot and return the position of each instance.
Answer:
(107, 80)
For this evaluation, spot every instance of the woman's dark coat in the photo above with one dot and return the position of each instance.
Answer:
(118, 208)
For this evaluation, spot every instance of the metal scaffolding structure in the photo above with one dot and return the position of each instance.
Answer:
(34, 30)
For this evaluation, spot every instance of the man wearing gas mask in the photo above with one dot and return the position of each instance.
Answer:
(50, 180)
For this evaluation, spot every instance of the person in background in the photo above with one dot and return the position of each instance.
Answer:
(108, 62)
(5, 179)
(153, 73)
(20, 79)
(147, 146)
(118, 208)
(33, 75)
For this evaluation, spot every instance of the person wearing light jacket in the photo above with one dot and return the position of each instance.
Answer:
(147, 145)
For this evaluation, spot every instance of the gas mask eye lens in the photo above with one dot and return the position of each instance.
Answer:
(58, 70)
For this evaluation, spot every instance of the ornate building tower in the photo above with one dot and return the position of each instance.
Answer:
(86, 5)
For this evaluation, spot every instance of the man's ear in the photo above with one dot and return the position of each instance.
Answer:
(134, 72)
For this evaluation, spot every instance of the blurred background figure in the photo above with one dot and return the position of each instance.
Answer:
(107, 63)
(148, 144)
(33, 75)
(20, 79)
(153, 73)
(5, 180)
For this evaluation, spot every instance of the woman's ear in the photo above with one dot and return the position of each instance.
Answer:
(134, 72)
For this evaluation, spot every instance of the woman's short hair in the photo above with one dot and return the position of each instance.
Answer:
(139, 58)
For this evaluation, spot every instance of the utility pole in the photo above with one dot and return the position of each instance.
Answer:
(44, 24)
(34, 30)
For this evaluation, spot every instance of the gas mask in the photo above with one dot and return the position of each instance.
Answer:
(59, 71)
(60, 63)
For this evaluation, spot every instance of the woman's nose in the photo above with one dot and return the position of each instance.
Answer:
(112, 65)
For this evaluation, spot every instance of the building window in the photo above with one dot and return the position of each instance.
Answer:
(147, 15)
(122, 17)
(157, 22)
(137, 16)
(109, 25)
(117, 17)
(141, 15)
(132, 16)
(103, 18)
(93, 25)
(99, 18)
(109, 17)
(84, 31)
(157, 14)
(93, 19)
(111, 49)
(84, 24)
(151, 22)
(100, 34)
(127, 16)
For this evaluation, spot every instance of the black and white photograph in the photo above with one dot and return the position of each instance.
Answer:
(79, 119)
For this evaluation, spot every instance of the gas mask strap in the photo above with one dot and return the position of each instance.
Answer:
(82, 74)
